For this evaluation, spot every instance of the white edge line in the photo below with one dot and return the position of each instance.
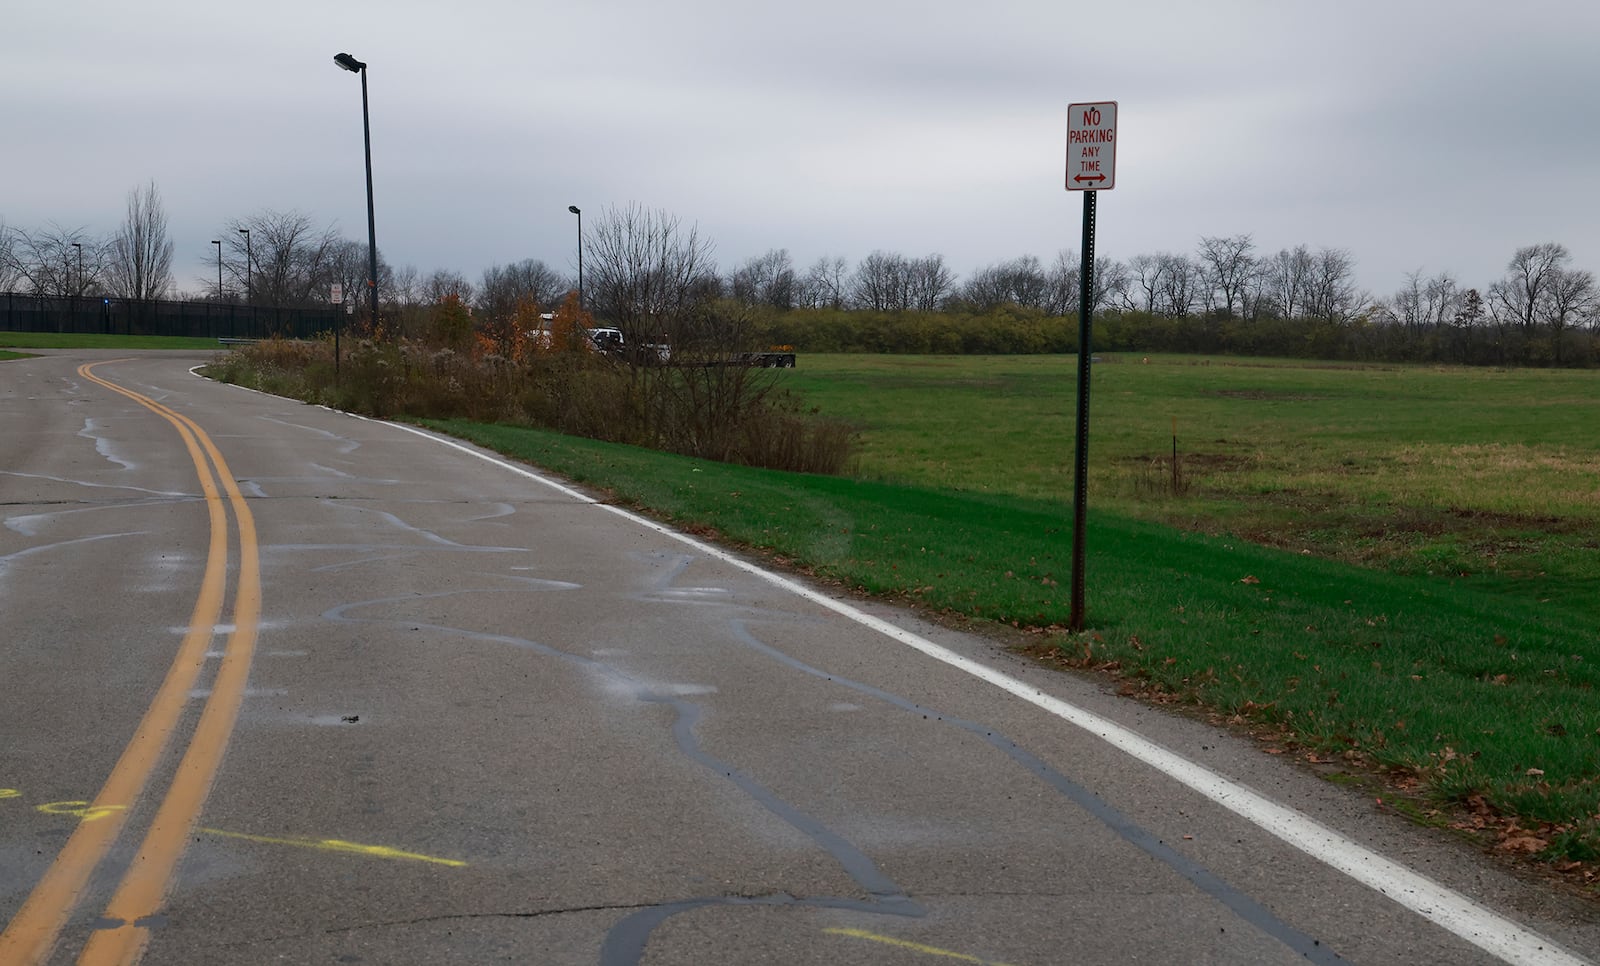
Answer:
(1439, 904)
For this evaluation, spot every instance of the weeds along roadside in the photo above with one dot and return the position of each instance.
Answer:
(698, 407)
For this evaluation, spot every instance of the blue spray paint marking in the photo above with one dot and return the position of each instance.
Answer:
(626, 941)
(1129, 831)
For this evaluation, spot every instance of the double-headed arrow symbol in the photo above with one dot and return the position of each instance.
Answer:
(1089, 177)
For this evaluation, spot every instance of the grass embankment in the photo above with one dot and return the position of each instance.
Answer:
(1461, 654)
(76, 340)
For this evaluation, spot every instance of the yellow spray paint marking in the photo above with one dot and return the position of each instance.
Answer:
(914, 947)
(339, 845)
(83, 810)
(90, 812)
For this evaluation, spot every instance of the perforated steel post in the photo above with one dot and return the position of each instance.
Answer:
(1080, 486)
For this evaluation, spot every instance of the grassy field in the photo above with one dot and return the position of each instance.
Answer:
(1374, 567)
(52, 340)
(1487, 476)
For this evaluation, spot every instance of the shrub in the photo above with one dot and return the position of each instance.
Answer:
(696, 405)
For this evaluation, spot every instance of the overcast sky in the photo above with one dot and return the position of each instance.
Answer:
(1418, 135)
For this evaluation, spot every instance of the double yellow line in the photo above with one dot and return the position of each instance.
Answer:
(32, 934)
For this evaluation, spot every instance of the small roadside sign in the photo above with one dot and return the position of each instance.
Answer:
(336, 293)
(1092, 146)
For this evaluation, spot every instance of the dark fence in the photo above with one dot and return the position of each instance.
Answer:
(113, 316)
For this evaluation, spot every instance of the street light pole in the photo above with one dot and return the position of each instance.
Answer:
(579, 212)
(218, 242)
(77, 293)
(349, 63)
(249, 264)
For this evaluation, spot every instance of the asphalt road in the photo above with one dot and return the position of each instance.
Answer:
(278, 684)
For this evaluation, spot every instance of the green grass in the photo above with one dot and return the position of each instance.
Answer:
(1461, 652)
(72, 340)
(1483, 475)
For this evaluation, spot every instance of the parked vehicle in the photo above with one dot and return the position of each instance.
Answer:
(607, 340)
(778, 357)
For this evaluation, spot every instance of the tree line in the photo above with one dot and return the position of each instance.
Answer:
(648, 269)
(1225, 297)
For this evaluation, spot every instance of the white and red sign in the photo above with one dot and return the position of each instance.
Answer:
(1092, 146)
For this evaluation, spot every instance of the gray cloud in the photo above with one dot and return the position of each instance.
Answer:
(1412, 134)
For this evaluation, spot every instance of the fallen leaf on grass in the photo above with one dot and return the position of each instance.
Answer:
(1247, 579)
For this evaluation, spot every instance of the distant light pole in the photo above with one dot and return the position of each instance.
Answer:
(249, 260)
(75, 293)
(579, 212)
(218, 242)
(357, 67)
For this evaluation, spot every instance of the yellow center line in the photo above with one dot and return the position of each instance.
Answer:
(144, 888)
(31, 935)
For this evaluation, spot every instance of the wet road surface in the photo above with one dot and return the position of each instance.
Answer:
(285, 685)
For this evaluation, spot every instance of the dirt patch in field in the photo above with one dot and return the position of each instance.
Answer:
(1266, 395)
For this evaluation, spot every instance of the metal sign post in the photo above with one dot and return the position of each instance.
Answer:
(336, 296)
(1091, 168)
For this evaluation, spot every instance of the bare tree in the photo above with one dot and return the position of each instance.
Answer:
(647, 272)
(826, 283)
(57, 261)
(1228, 263)
(1179, 289)
(1571, 301)
(928, 283)
(1332, 293)
(766, 280)
(1144, 282)
(1289, 281)
(446, 284)
(1110, 284)
(890, 282)
(1520, 295)
(284, 261)
(347, 266)
(9, 275)
(407, 288)
(141, 253)
(879, 282)
(1063, 295)
(1020, 281)
(530, 280)
(403, 299)
(1423, 304)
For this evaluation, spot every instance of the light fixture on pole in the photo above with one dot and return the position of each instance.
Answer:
(579, 212)
(218, 242)
(249, 262)
(357, 67)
